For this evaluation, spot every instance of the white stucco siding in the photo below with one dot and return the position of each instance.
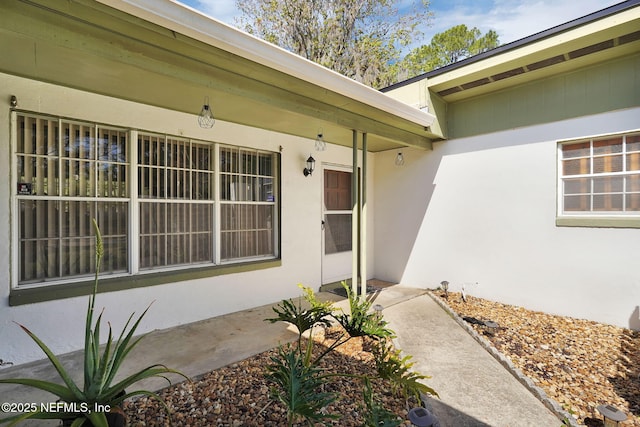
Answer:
(60, 323)
(483, 209)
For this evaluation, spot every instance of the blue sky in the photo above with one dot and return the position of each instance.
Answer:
(512, 19)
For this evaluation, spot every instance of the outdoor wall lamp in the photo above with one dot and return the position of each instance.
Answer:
(612, 415)
(311, 163)
(321, 145)
(399, 159)
(13, 101)
(205, 118)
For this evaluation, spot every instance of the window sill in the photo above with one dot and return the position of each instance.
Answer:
(598, 222)
(56, 292)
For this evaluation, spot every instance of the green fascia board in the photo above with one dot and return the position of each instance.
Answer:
(112, 284)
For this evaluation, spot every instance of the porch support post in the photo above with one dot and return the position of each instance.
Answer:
(363, 220)
(355, 247)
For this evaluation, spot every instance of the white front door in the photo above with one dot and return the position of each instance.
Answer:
(336, 224)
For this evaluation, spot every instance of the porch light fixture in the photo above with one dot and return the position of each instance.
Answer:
(612, 415)
(13, 101)
(205, 118)
(311, 163)
(321, 145)
(399, 159)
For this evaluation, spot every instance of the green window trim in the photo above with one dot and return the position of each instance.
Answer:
(598, 222)
(112, 284)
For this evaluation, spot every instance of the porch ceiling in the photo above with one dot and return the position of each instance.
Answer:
(143, 56)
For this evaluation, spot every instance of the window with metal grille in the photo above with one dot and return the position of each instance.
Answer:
(247, 203)
(161, 204)
(67, 174)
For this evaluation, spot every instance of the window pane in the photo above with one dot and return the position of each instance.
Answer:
(576, 167)
(581, 149)
(632, 202)
(337, 233)
(607, 146)
(57, 238)
(337, 190)
(577, 203)
(633, 142)
(577, 186)
(608, 202)
(607, 164)
(610, 184)
(633, 162)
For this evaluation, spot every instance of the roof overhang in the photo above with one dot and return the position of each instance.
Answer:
(162, 53)
(602, 36)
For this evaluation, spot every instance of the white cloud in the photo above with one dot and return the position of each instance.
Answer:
(516, 19)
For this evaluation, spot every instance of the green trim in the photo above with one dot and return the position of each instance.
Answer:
(50, 293)
(603, 222)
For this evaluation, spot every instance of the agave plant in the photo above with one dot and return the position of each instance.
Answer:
(101, 364)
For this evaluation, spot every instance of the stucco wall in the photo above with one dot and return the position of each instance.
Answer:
(481, 211)
(60, 323)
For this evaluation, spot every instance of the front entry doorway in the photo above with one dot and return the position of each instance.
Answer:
(336, 224)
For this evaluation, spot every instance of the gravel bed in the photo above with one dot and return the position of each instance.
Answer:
(578, 363)
(238, 394)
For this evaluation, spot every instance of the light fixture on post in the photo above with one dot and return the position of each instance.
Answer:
(612, 415)
(311, 163)
(445, 288)
(321, 145)
(205, 118)
(399, 159)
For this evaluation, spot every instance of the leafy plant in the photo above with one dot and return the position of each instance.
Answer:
(397, 369)
(376, 415)
(298, 380)
(100, 368)
(361, 322)
(298, 385)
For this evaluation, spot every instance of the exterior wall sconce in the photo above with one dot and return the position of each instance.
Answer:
(13, 101)
(321, 145)
(399, 159)
(311, 163)
(612, 415)
(205, 118)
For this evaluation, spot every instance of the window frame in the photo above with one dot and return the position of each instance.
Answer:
(594, 216)
(23, 293)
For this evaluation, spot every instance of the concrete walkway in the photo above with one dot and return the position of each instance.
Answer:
(475, 390)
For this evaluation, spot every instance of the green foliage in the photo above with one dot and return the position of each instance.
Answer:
(376, 415)
(445, 48)
(361, 322)
(298, 386)
(356, 38)
(397, 369)
(100, 367)
(297, 379)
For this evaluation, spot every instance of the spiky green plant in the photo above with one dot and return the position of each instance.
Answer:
(100, 368)
(298, 386)
(375, 415)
